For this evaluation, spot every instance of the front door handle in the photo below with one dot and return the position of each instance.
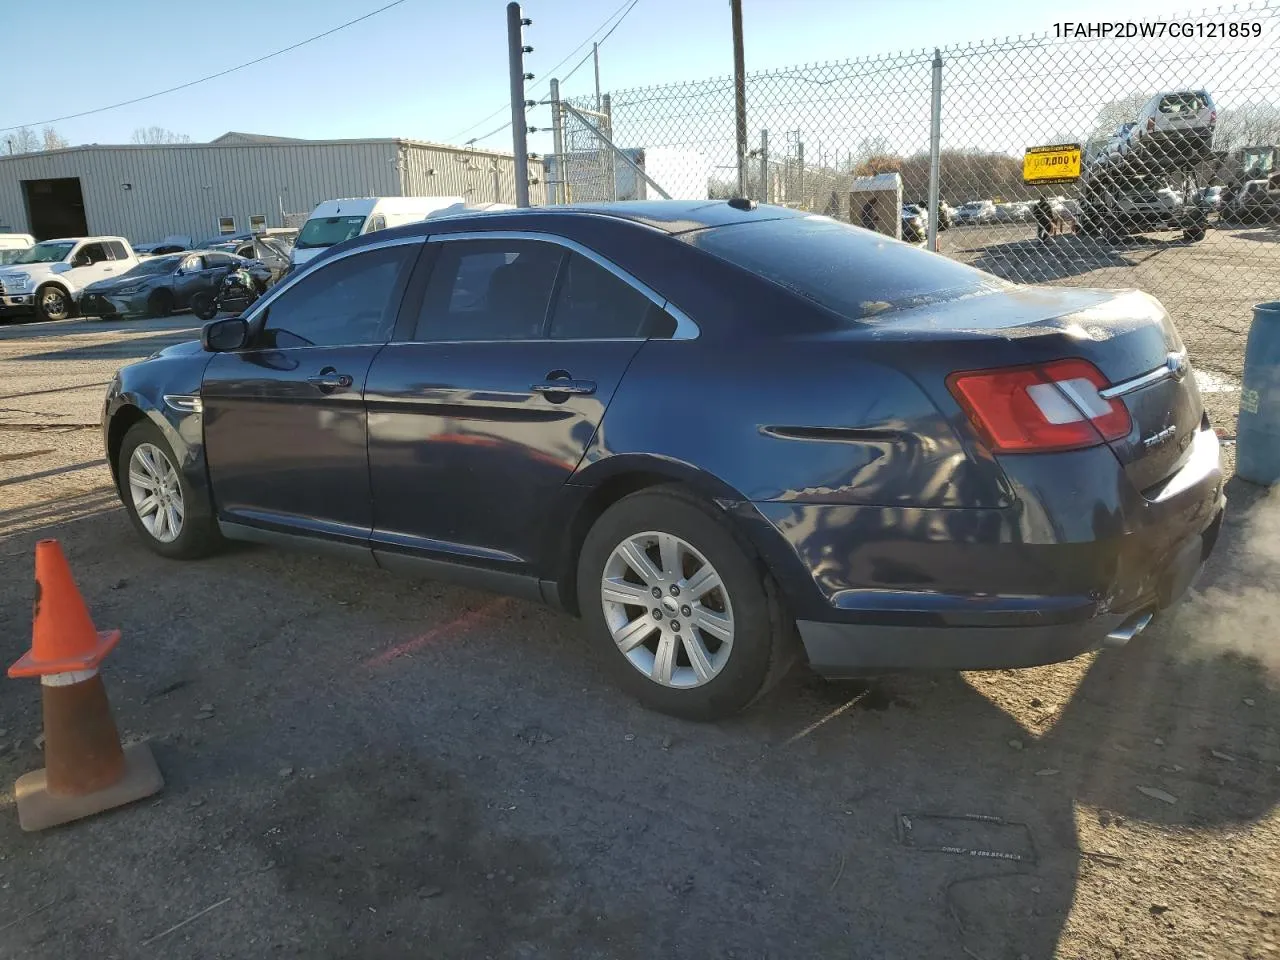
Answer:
(328, 380)
(565, 386)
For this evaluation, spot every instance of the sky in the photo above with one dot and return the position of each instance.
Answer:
(436, 69)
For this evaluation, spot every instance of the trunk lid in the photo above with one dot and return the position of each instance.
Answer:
(1127, 335)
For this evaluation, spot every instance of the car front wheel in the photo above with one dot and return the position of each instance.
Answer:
(53, 303)
(173, 518)
(686, 616)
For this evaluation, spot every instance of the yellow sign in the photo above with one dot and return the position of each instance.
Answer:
(1056, 164)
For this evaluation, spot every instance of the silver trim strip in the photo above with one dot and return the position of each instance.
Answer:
(310, 266)
(1169, 369)
(686, 329)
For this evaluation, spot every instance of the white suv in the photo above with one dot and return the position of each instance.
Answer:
(47, 279)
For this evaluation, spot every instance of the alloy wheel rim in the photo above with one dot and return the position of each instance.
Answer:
(53, 302)
(667, 610)
(156, 493)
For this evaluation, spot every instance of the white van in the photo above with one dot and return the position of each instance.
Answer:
(336, 220)
(13, 245)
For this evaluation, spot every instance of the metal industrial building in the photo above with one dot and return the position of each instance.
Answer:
(236, 183)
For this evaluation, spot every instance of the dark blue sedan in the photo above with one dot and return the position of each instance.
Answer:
(724, 435)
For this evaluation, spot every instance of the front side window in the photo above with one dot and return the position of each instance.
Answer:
(489, 290)
(350, 301)
(593, 304)
(192, 265)
(328, 231)
(378, 222)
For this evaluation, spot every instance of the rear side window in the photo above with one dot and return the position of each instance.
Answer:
(593, 304)
(489, 290)
(117, 250)
(855, 273)
(1177, 103)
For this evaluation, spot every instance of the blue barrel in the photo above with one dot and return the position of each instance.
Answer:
(1258, 438)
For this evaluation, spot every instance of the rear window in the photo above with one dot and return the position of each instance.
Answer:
(853, 272)
(1182, 103)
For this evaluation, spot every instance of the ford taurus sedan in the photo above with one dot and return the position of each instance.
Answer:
(724, 435)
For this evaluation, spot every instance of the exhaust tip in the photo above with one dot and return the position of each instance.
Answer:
(1127, 630)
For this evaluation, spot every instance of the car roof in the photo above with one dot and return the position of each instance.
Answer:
(668, 216)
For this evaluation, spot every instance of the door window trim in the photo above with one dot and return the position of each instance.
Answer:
(686, 329)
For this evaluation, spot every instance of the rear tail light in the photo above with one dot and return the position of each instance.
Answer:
(1040, 408)
(1151, 124)
(1213, 116)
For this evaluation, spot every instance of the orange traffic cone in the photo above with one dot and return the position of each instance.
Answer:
(86, 770)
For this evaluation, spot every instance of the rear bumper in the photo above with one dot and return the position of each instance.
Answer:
(897, 588)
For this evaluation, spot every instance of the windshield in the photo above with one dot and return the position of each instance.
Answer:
(50, 252)
(154, 266)
(326, 231)
(855, 273)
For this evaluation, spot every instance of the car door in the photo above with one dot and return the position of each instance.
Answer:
(90, 264)
(189, 278)
(284, 418)
(488, 399)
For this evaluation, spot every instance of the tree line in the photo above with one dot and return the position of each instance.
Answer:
(27, 140)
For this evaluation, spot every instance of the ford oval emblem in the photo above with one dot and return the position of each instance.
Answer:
(1178, 365)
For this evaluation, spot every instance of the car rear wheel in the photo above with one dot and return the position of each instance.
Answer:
(53, 303)
(204, 306)
(687, 618)
(160, 303)
(173, 519)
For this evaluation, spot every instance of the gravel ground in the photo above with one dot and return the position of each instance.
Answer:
(361, 765)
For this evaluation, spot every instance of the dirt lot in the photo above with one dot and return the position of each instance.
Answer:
(360, 765)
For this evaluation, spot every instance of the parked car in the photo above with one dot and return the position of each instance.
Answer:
(47, 279)
(1209, 199)
(334, 221)
(915, 223)
(14, 245)
(271, 251)
(1174, 130)
(1257, 201)
(172, 244)
(1146, 206)
(503, 400)
(975, 212)
(159, 285)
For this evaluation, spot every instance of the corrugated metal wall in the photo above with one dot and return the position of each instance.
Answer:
(477, 177)
(185, 189)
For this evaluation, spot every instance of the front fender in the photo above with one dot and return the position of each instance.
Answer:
(164, 389)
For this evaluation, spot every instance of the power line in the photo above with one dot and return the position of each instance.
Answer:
(212, 76)
(624, 10)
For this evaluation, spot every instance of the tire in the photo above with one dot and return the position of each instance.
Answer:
(197, 534)
(53, 303)
(762, 639)
(204, 306)
(160, 304)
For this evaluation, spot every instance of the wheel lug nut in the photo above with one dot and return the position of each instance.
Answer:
(686, 611)
(675, 591)
(657, 614)
(657, 593)
(675, 625)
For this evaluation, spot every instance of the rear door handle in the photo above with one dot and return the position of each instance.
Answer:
(566, 387)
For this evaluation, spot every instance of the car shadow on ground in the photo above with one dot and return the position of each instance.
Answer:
(385, 763)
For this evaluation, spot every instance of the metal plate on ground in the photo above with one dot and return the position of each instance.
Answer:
(967, 835)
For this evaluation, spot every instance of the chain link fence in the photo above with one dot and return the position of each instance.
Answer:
(1179, 192)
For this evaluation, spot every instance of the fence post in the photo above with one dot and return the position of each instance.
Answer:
(557, 144)
(935, 148)
(764, 166)
(739, 95)
(606, 107)
(519, 127)
(800, 172)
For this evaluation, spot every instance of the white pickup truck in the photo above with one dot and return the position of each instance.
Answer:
(47, 280)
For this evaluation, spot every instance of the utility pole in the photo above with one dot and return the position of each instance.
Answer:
(595, 55)
(764, 166)
(516, 49)
(739, 94)
(559, 191)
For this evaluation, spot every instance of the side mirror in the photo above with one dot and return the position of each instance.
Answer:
(220, 336)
